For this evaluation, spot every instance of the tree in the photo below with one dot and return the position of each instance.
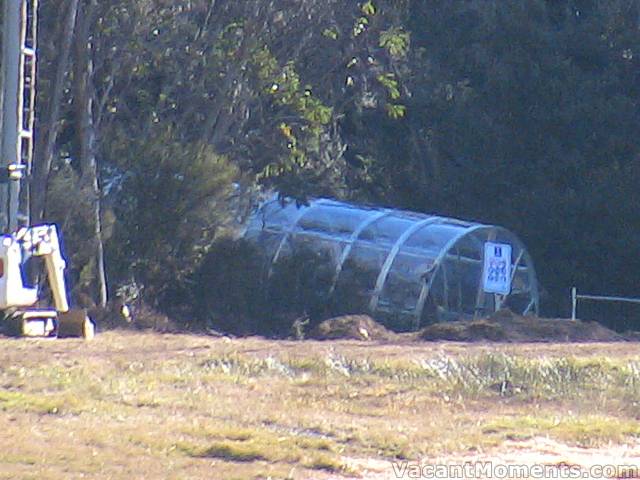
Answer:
(49, 117)
(85, 124)
(517, 113)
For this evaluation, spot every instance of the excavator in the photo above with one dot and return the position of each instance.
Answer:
(21, 311)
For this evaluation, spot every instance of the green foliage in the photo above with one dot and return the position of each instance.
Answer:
(523, 114)
(267, 67)
(236, 289)
(396, 41)
(330, 33)
(303, 135)
(388, 81)
(284, 86)
(177, 201)
(396, 111)
(227, 287)
(73, 215)
(360, 26)
(368, 8)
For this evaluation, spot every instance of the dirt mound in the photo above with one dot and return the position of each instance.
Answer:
(350, 327)
(505, 326)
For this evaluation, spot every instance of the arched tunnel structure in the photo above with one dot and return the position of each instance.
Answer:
(406, 269)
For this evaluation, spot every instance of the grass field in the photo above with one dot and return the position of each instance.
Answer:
(146, 405)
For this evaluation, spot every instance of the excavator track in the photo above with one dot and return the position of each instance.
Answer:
(75, 323)
(49, 323)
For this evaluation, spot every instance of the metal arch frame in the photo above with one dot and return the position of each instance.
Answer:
(289, 231)
(378, 215)
(386, 266)
(533, 282)
(256, 220)
(426, 287)
(385, 269)
(480, 295)
(262, 209)
(531, 271)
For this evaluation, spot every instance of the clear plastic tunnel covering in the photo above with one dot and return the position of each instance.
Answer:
(405, 269)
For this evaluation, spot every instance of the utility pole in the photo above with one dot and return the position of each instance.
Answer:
(17, 103)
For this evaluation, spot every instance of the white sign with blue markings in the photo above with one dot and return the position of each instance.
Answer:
(496, 276)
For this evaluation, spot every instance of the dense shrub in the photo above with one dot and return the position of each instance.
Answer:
(236, 291)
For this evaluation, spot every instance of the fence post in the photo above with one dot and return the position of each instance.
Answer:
(574, 302)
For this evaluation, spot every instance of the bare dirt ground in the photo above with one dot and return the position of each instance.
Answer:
(146, 405)
(522, 459)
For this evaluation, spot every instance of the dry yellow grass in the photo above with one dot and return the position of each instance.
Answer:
(144, 405)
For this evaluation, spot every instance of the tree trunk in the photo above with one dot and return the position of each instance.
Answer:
(84, 95)
(49, 121)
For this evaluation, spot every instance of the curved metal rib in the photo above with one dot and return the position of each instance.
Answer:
(289, 231)
(533, 284)
(480, 295)
(426, 286)
(384, 271)
(352, 239)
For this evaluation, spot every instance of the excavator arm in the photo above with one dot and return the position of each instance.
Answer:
(18, 300)
(42, 241)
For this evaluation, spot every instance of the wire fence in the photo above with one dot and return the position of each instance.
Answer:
(596, 298)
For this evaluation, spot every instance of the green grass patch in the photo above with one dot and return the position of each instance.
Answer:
(246, 445)
(45, 404)
(6, 457)
(251, 409)
(233, 452)
(472, 376)
(324, 462)
(586, 431)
